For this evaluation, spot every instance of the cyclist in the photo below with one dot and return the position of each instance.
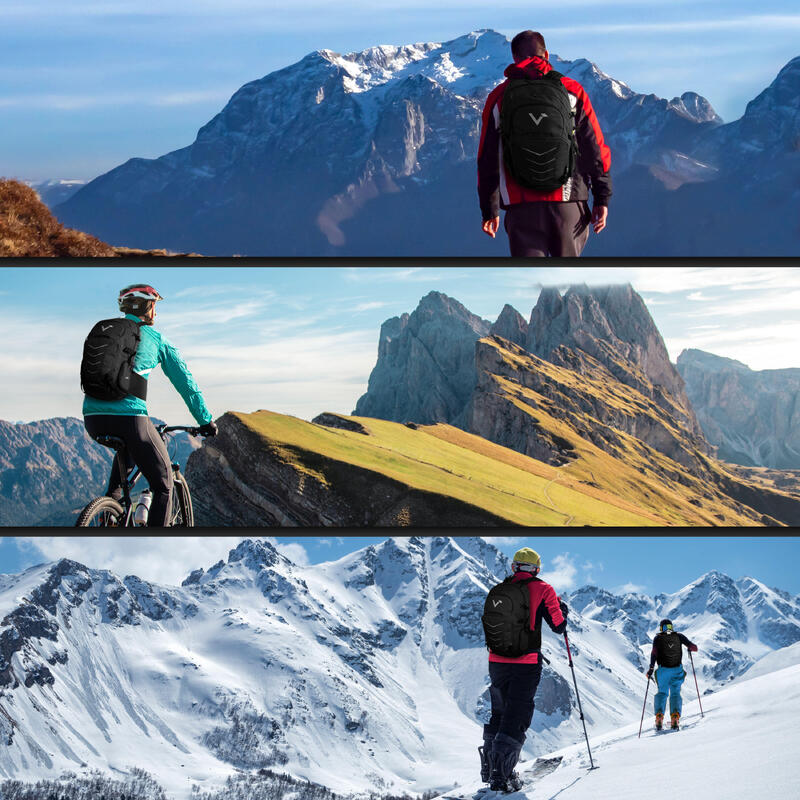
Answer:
(128, 418)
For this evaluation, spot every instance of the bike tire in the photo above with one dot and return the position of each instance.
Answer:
(182, 511)
(102, 512)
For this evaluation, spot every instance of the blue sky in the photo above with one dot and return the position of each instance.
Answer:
(649, 564)
(300, 340)
(85, 85)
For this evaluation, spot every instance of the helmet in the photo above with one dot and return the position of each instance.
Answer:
(665, 626)
(527, 560)
(137, 298)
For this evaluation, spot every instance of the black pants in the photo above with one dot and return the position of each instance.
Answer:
(512, 691)
(546, 228)
(145, 449)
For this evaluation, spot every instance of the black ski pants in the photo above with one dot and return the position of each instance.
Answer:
(143, 448)
(512, 691)
(547, 229)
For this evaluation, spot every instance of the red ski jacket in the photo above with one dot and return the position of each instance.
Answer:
(497, 189)
(544, 605)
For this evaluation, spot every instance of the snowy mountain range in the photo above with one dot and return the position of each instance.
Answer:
(343, 154)
(368, 673)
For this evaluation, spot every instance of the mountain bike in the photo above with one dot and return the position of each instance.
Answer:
(106, 512)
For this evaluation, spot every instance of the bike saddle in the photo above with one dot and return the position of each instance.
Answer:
(114, 442)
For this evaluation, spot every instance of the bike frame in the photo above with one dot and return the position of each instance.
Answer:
(130, 479)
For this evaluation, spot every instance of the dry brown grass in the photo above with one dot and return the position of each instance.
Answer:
(29, 229)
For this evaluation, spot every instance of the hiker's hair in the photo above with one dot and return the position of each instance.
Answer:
(527, 44)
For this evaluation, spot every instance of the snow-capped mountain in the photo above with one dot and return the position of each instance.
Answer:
(342, 154)
(56, 191)
(364, 673)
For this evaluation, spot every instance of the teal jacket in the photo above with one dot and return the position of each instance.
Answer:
(153, 350)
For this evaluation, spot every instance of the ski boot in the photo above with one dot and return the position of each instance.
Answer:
(503, 759)
(659, 720)
(674, 720)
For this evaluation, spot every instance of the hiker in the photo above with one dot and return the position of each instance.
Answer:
(127, 418)
(541, 150)
(514, 642)
(668, 652)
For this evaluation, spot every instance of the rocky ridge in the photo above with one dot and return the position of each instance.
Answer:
(753, 418)
(593, 370)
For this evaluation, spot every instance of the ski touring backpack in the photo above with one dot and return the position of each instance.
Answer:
(506, 619)
(107, 363)
(537, 129)
(669, 651)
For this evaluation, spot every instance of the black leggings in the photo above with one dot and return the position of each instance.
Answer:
(145, 449)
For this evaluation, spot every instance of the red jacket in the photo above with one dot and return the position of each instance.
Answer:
(497, 189)
(544, 605)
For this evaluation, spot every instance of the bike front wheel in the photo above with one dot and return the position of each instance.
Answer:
(182, 512)
(102, 512)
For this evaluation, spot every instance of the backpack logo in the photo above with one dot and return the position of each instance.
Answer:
(537, 120)
(496, 603)
(106, 327)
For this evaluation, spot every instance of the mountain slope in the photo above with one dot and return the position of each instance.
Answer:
(745, 743)
(752, 416)
(51, 468)
(591, 392)
(269, 469)
(355, 150)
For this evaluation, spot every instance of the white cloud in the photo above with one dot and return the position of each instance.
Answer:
(370, 306)
(629, 588)
(294, 551)
(159, 559)
(561, 576)
(504, 541)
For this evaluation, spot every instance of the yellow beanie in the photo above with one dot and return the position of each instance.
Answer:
(528, 556)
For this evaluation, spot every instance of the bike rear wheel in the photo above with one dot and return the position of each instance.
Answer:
(182, 512)
(102, 512)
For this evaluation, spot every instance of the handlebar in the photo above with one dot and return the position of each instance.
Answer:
(191, 430)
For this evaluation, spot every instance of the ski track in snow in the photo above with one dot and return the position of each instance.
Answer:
(746, 746)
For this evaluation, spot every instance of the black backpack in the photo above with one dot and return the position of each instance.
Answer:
(537, 128)
(669, 650)
(507, 619)
(107, 363)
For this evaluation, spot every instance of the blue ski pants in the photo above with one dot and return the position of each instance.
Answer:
(670, 680)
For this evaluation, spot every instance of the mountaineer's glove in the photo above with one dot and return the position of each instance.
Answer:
(209, 429)
(649, 673)
(564, 608)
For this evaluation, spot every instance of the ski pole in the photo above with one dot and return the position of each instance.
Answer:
(696, 686)
(577, 694)
(644, 705)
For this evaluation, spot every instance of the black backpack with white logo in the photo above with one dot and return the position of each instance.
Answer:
(669, 651)
(507, 619)
(107, 363)
(537, 129)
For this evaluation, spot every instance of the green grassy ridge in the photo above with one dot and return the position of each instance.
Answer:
(649, 479)
(454, 468)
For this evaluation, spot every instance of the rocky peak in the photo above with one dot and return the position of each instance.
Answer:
(611, 324)
(511, 325)
(433, 347)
